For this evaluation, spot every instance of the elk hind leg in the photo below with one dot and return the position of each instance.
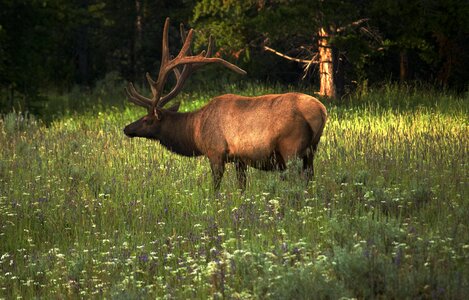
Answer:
(280, 164)
(241, 174)
(308, 163)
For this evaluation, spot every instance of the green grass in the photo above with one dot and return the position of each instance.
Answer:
(86, 212)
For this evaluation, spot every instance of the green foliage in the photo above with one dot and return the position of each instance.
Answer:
(225, 20)
(13, 123)
(86, 212)
(108, 92)
(51, 46)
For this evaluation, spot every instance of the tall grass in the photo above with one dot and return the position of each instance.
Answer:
(86, 212)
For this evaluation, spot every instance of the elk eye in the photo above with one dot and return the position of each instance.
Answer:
(148, 120)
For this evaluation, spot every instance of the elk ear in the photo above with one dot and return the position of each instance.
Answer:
(175, 107)
(157, 113)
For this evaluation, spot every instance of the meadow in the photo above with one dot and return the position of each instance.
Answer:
(87, 213)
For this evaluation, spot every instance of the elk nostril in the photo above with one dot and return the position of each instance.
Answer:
(127, 133)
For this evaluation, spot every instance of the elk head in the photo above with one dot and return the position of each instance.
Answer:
(183, 65)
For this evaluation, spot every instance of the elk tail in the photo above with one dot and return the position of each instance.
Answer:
(319, 129)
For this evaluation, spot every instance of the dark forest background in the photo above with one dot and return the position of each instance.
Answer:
(56, 46)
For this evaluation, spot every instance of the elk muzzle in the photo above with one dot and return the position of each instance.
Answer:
(131, 130)
(128, 132)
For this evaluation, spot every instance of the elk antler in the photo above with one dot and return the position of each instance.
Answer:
(189, 64)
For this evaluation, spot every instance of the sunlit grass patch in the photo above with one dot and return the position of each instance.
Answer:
(86, 212)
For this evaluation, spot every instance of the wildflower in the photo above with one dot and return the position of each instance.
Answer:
(4, 256)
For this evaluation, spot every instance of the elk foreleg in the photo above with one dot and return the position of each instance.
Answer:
(241, 174)
(218, 168)
(308, 164)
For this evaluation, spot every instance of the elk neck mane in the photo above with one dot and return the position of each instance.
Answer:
(177, 133)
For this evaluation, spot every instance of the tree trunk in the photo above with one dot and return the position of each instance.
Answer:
(448, 55)
(338, 66)
(403, 65)
(136, 40)
(82, 50)
(82, 54)
(326, 66)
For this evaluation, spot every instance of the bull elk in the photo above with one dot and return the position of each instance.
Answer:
(263, 132)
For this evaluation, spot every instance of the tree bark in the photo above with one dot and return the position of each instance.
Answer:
(82, 50)
(403, 65)
(326, 66)
(136, 40)
(82, 54)
(339, 76)
(331, 73)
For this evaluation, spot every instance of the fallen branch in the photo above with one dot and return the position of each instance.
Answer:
(353, 24)
(303, 61)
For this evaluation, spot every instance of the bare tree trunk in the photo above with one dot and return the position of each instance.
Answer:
(403, 65)
(339, 73)
(138, 20)
(448, 54)
(326, 66)
(12, 96)
(136, 39)
(82, 53)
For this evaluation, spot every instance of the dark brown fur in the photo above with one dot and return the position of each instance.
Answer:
(263, 132)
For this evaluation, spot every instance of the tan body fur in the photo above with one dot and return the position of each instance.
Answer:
(252, 129)
(263, 132)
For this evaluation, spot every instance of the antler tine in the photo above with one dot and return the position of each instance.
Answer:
(197, 61)
(181, 77)
(167, 65)
(186, 70)
(151, 83)
(157, 87)
(186, 46)
(183, 36)
(132, 93)
(191, 64)
(184, 58)
(177, 73)
(180, 80)
(165, 50)
(136, 98)
(210, 46)
(206, 60)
